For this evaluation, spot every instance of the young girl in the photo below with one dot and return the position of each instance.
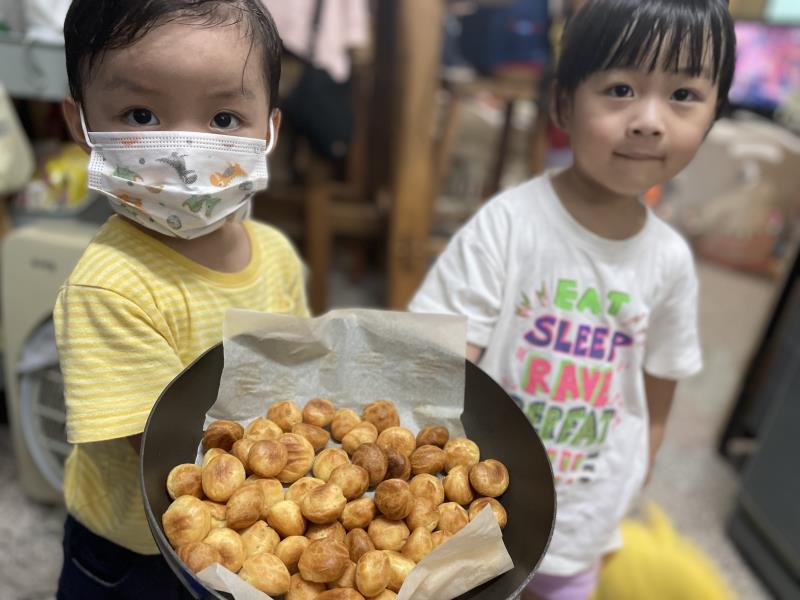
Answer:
(580, 301)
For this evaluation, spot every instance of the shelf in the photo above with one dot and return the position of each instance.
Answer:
(32, 70)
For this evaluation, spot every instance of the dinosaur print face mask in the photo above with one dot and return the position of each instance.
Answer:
(178, 183)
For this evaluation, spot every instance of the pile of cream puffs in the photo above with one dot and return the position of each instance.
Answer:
(254, 508)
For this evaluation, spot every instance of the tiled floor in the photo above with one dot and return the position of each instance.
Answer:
(691, 483)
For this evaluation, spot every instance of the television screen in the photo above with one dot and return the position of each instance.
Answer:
(782, 11)
(767, 65)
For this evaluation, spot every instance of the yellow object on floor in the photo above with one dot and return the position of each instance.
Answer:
(656, 563)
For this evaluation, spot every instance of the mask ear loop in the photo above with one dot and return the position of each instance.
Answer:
(271, 145)
(84, 129)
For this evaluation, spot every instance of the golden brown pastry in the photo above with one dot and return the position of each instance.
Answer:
(290, 549)
(489, 478)
(386, 594)
(324, 561)
(373, 459)
(440, 536)
(452, 517)
(343, 421)
(229, 545)
(316, 436)
(457, 487)
(461, 451)
(423, 514)
(271, 490)
(286, 518)
(185, 480)
(301, 457)
(263, 429)
(324, 504)
(240, 450)
(418, 544)
(358, 513)
(351, 479)
(348, 578)
(186, 520)
(399, 438)
(340, 594)
(300, 589)
(433, 436)
(298, 490)
(363, 433)
(285, 414)
(267, 458)
(212, 453)
(327, 460)
(427, 486)
(372, 573)
(398, 466)
(382, 414)
(428, 459)
(267, 573)
(358, 542)
(244, 507)
(222, 476)
(333, 530)
(500, 514)
(258, 538)
(399, 567)
(394, 499)
(218, 512)
(319, 412)
(387, 534)
(198, 555)
(222, 434)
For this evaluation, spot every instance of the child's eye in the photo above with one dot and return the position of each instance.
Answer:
(620, 90)
(141, 116)
(225, 120)
(684, 95)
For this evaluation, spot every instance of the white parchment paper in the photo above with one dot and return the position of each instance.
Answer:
(354, 357)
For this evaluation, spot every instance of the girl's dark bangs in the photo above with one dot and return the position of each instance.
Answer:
(673, 42)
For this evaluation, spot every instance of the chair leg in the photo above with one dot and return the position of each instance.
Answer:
(444, 147)
(493, 183)
(318, 245)
(538, 139)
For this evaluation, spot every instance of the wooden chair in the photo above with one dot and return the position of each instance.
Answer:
(384, 193)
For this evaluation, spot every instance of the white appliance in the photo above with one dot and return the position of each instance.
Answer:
(36, 260)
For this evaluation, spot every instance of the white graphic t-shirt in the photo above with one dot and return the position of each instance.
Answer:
(569, 321)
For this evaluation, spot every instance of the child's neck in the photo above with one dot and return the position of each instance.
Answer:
(226, 250)
(601, 211)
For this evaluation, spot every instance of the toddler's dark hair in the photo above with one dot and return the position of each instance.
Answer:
(624, 34)
(92, 27)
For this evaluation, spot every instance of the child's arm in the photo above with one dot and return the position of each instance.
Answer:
(474, 353)
(659, 394)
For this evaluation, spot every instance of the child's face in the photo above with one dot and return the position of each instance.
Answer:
(630, 129)
(181, 77)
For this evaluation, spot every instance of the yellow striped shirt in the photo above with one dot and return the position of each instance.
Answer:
(130, 317)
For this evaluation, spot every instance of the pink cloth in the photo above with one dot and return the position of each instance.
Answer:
(344, 24)
(573, 587)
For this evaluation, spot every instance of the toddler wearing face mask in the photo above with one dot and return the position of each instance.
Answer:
(174, 100)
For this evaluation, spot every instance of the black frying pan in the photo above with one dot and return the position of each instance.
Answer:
(490, 418)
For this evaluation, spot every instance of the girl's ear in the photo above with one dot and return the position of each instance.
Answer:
(560, 106)
(72, 117)
(275, 118)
